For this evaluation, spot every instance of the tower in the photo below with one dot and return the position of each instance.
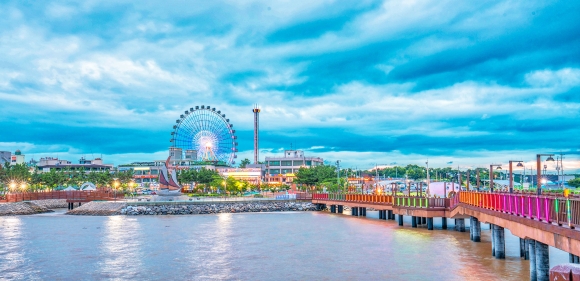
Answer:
(256, 111)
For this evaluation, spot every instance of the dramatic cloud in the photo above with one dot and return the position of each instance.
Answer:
(364, 81)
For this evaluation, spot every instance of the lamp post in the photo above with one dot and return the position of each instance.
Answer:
(478, 178)
(468, 179)
(539, 170)
(115, 186)
(12, 185)
(491, 175)
(512, 173)
(428, 180)
(131, 184)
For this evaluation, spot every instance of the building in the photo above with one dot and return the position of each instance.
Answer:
(251, 175)
(45, 164)
(5, 157)
(17, 158)
(282, 170)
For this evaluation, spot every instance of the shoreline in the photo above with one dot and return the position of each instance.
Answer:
(110, 208)
(31, 207)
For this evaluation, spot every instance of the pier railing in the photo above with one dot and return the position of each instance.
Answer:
(401, 201)
(68, 195)
(550, 209)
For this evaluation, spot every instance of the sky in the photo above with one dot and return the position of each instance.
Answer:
(364, 82)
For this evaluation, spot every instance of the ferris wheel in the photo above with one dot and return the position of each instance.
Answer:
(207, 132)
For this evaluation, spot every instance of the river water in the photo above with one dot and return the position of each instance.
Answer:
(248, 246)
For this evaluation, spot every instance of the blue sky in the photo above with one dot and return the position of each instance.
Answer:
(361, 81)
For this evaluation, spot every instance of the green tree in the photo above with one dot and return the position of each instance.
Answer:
(244, 163)
(574, 182)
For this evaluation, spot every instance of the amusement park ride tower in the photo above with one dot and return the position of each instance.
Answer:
(256, 111)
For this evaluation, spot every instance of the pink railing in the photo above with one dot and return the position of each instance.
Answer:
(550, 209)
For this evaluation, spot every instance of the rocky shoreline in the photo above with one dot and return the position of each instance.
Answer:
(27, 208)
(100, 208)
(214, 208)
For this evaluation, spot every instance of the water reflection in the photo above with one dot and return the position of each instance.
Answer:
(11, 257)
(121, 247)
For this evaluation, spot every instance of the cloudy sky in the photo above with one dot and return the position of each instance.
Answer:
(365, 82)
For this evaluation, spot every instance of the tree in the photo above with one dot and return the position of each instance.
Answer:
(316, 175)
(574, 182)
(244, 163)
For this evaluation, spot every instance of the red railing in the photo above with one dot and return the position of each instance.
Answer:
(69, 195)
(551, 209)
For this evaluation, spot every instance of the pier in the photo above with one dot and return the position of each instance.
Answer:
(539, 221)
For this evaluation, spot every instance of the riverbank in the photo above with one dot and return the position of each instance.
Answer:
(96, 208)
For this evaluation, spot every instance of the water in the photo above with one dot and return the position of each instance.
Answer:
(248, 246)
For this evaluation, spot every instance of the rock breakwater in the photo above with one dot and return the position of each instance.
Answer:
(97, 208)
(22, 208)
(213, 208)
(52, 203)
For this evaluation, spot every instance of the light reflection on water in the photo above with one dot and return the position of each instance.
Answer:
(247, 246)
(12, 259)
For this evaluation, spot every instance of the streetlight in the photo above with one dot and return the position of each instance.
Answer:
(12, 185)
(115, 186)
(131, 184)
(491, 175)
(539, 170)
(512, 173)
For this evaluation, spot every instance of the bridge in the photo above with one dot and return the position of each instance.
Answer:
(539, 221)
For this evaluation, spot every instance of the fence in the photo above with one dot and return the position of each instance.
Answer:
(69, 195)
(402, 201)
(286, 197)
(421, 202)
(550, 209)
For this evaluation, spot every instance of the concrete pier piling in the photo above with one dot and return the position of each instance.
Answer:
(418, 221)
(492, 239)
(353, 211)
(499, 241)
(380, 214)
(460, 225)
(340, 209)
(476, 226)
(413, 221)
(363, 211)
(532, 253)
(429, 223)
(444, 223)
(424, 220)
(390, 215)
(333, 208)
(400, 220)
(542, 262)
(526, 249)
